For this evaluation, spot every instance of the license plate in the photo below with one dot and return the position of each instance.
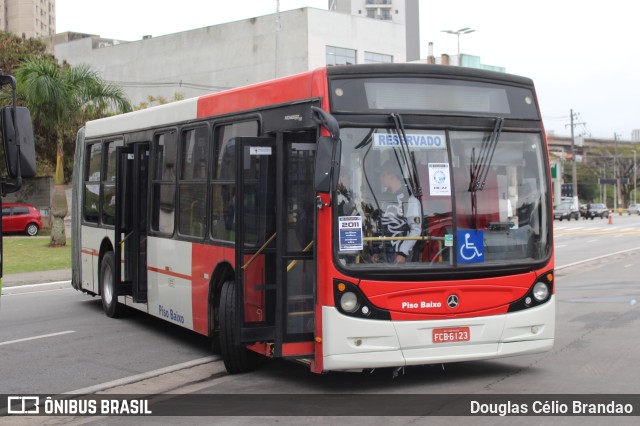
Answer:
(456, 334)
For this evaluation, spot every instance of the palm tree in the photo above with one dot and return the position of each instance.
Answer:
(61, 98)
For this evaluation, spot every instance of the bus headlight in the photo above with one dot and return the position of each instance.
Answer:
(540, 292)
(349, 301)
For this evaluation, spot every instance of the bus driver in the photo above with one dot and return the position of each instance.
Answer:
(400, 216)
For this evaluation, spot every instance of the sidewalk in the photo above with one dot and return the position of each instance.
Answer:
(10, 280)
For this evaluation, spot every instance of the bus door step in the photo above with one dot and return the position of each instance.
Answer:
(257, 334)
(125, 288)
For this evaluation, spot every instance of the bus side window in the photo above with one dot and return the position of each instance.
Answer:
(193, 182)
(223, 186)
(92, 179)
(109, 183)
(163, 182)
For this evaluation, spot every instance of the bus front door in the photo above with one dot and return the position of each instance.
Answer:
(255, 238)
(132, 169)
(275, 262)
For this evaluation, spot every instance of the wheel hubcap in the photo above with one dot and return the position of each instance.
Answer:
(108, 286)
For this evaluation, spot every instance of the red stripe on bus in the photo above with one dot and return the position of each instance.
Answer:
(284, 90)
(170, 273)
(89, 252)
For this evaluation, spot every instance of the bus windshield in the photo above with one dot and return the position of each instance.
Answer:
(440, 199)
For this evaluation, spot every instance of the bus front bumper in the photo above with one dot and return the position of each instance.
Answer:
(355, 344)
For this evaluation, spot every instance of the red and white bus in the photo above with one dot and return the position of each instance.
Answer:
(350, 217)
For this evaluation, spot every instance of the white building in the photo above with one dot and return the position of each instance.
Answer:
(403, 12)
(238, 53)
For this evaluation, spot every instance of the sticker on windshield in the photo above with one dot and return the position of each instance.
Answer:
(350, 232)
(414, 141)
(470, 246)
(439, 179)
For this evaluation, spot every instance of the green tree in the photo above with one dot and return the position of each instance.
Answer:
(60, 99)
(15, 50)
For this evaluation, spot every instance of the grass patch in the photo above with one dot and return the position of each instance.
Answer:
(30, 254)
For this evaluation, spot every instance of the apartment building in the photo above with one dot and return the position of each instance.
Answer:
(28, 18)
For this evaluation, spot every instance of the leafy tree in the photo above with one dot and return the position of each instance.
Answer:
(60, 99)
(15, 50)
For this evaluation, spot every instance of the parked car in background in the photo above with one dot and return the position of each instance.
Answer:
(21, 218)
(634, 209)
(566, 211)
(597, 210)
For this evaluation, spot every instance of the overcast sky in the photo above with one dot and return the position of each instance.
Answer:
(582, 54)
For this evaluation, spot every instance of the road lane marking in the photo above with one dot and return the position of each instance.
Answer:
(26, 339)
(560, 267)
(18, 289)
(32, 292)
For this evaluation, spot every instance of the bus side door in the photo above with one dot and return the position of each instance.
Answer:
(132, 170)
(255, 238)
(275, 259)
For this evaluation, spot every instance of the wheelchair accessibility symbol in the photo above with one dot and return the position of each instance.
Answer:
(470, 246)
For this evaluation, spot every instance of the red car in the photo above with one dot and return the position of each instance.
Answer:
(21, 218)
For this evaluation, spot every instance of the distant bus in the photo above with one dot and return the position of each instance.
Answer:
(351, 217)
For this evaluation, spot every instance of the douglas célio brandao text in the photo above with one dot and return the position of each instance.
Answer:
(551, 407)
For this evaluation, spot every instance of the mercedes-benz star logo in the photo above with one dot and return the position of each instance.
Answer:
(452, 301)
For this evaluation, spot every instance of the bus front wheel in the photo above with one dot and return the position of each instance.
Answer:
(108, 286)
(236, 357)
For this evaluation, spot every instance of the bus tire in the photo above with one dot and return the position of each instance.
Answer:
(236, 357)
(107, 286)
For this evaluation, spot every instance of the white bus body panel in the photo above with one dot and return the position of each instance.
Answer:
(92, 237)
(353, 343)
(169, 294)
(159, 116)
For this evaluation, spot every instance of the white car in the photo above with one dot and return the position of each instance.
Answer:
(634, 209)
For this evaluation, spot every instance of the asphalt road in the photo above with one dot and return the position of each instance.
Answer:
(57, 340)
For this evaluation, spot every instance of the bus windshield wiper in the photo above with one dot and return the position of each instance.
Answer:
(479, 168)
(408, 157)
(366, 141)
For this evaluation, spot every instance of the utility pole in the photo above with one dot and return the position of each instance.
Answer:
(574, 173)
(278, 28)
(615, 171)
(574, 176)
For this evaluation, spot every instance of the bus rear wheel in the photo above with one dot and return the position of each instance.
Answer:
(108, 286)
(236, 357)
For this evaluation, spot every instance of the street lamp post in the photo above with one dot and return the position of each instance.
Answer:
(458, 33)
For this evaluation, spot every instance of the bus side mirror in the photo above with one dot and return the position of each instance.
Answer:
(324, 164)
(20, 157)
